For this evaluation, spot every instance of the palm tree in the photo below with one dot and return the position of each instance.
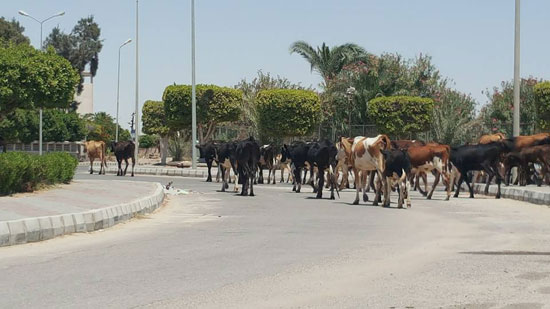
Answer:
(328, 62)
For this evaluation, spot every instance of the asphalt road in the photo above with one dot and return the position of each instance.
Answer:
(282, 249)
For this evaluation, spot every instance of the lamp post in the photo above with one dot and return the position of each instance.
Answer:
(350, 92)
(137, 83)
(118, 87)
(41, 22)
(516, 127)
(193, 92)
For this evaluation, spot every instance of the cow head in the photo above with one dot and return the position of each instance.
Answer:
(113, 146)
(285, 154)
(201, 150)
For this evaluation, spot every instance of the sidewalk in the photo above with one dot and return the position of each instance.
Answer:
(82, 206)
(531, 194)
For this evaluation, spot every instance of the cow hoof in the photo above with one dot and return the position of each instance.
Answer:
(252, 194)
(332, 198)
(318, 197)
(409, 206)
(365, 198)
(429, 197)
(448, 197)
(375, 204)
(471, 196)
(455, 196)
(498, 196)
(226, 186)
(356, 202)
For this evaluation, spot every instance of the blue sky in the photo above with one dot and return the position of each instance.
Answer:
(471, 41)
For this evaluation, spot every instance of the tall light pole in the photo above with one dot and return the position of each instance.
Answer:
(193, 91)
(350, 92)
(41, 22)
(137, 83)
(118, 87)
(516, 127)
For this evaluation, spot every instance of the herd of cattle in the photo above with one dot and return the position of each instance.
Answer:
(381, 164)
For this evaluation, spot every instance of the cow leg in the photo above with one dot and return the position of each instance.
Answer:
(119, 161)
(298, 179)
(251, 183)
(386, 196)
(209, 166)
(321, 179)
(261, 175)
(423, 192)
(357, 185)
(436, 181)
(126, 168)
(470, 189)
(407, 191)
(91, 166)
(459, 184)
(219, 172)
(365, 175)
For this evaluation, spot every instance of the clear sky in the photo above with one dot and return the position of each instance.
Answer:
(471, 41)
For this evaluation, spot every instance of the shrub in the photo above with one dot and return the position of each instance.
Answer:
(23, 172)
(148, 141)
(214, 105)
(542, 102)
(287, 112)
(400, 115)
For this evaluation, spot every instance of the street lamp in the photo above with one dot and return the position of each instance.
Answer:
(193, 91)
(350, 92)
(41, 23)
(118, 87)
(516, 127)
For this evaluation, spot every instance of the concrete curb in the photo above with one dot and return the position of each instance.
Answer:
(163, 172)
(42, 228)
(516, 193)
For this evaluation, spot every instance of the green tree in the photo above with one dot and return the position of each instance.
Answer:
(12, 31)
(401, 116)
(81, 47)
(215, 105)
(263, 81)
(498, 113)
(542, 102)
(287, 112)
(154, 122)
(327, 61)
(453, 117)
(33, 79)
(102, 127)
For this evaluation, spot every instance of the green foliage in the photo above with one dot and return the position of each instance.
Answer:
(81, 47)
(176, 146)
(542, 102)
(497, 115)
(214, 105)
(32, 79)
(401, 115)
(287, 112)
(251, 89)
(102, 127)
(327, 61)
(22, 172)
(148, 141)
(453, 117)
(154, 118)
(12, 31)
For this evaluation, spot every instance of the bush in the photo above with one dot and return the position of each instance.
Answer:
(287, 112)
(400, 115)
(23, 172)
(542, 102)
(148, 141)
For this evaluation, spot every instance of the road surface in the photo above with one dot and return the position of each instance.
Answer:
(280, 249)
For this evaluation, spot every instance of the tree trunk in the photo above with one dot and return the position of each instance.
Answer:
(199, 134)
(163, 149)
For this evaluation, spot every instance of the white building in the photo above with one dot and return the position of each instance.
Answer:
(86, 98)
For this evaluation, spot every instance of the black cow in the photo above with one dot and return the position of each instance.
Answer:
(226, 158)
(247, 154)
(323, 156)
(297, 153)
(208, 153)
(481, 157)
(397, 167)
(124, 151)
(267, 161)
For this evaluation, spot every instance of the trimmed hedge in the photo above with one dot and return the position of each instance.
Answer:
(23, 172)
(542, 101)
(287, 112)
(399, 115)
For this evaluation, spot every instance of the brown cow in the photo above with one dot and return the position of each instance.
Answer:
(96, 150)
(523, 141)
(522, 159)
(405, 145)
(432, 157)
(489, 138)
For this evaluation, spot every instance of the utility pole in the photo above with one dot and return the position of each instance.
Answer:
(516, 127)
(193, 91)
(137, 83)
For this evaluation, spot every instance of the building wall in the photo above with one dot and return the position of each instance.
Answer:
(86, 99)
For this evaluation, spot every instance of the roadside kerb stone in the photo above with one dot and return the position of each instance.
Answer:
(4, 234)
(515, 193)
(32, 229)
(41, 228)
